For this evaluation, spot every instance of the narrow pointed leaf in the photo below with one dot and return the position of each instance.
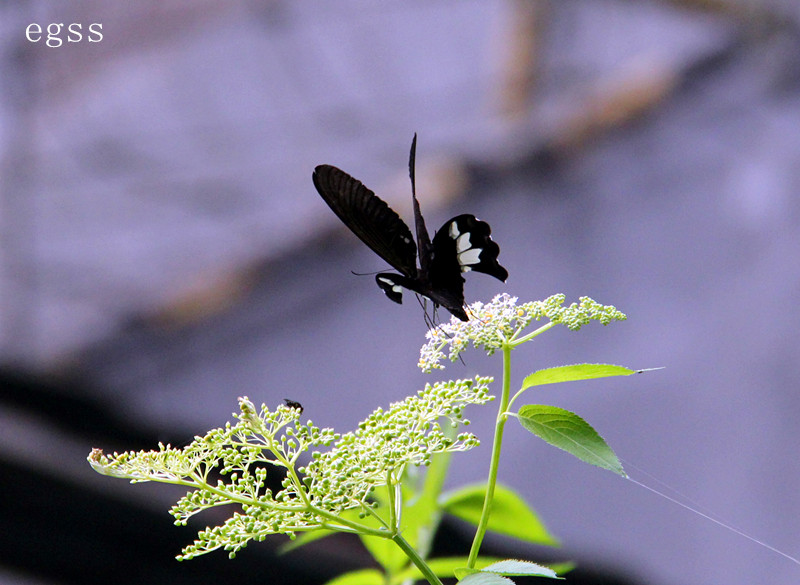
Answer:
(386, 553)
(510, 515)
(566, 430)
(303, 539)
(574, 372)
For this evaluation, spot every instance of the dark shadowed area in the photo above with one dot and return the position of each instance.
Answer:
(163, 251)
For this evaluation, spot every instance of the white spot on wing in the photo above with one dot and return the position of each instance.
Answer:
(462, 243)
(454, 233)
(469, 257)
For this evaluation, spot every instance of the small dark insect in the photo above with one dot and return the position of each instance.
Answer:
(293, 404)
(462, 244)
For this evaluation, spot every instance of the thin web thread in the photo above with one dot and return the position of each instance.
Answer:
(708, 516)
(715, 521)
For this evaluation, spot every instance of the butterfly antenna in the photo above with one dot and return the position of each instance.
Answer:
(354, 273)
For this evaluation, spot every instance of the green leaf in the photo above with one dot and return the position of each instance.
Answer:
(442, 567)
(563, 567)
(574, 372)
(509, 568)
(510, 515)
(566, 430)
(485, 579)
(361, 577)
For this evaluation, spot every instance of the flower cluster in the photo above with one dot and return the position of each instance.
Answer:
(312, 497)
(500, 323)
(407, 433)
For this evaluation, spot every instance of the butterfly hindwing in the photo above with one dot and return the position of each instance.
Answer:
(368, 217)
(465, 243)
(392, 285)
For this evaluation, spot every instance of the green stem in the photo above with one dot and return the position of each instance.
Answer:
(495, 459)
(420, 563)
(525, 338)
(336, 522)
(392, 488)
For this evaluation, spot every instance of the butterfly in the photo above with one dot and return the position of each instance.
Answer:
(461, 245)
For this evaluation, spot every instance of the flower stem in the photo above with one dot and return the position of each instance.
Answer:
(420, 563)
(495, 459)
(532, 334)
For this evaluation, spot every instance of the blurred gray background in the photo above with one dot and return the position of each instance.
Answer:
(163, 251)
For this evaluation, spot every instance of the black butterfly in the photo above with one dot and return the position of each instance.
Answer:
(462, 244)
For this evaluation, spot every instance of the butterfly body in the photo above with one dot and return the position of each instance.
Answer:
(293, 404)
(462, 244)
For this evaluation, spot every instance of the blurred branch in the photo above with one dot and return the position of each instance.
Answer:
(631, 92)
(520, 62)
(755, 14)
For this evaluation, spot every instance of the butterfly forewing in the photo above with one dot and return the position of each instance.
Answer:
(423, 240)
(369, 217)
